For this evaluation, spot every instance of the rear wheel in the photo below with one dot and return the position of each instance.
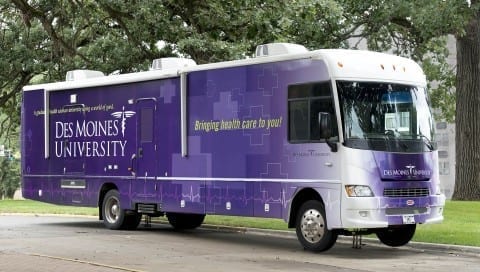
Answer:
(396, 236)
(311, 227)
(185, 220)
(114, 217)
(132, 220)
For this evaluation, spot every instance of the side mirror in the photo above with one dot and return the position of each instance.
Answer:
(326, 130)
(325, 124)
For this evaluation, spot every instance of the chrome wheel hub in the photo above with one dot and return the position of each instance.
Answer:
(112, 210)
(312, 226)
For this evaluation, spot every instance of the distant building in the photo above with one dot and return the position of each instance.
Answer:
(446, 138)
(446, 156)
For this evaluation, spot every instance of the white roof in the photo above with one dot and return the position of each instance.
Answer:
(372, 66)
(342, 64)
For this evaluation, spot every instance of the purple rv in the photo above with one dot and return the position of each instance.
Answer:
(335, 142)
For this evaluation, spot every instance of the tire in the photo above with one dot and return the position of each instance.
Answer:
(311, 227)
(182, 221)
(116, 218)
(132, 220)
(396, 236)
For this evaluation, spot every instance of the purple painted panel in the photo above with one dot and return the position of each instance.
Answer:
(92, 133)
(270, 199)
(238, 129)
(230, 198)
(241, 123)
(32, 134)
(183, 196)
(395, 166)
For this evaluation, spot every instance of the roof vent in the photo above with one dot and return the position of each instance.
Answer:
(171, 63)
(273, 49)
(82, 74)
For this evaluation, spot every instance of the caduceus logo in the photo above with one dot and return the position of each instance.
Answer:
(410, 168)
(123, 115)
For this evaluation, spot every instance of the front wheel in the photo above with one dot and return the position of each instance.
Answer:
(396, 236)
(311, 227)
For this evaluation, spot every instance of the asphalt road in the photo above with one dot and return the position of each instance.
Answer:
(32, 243)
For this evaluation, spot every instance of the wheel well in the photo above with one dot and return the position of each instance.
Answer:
(105, 188)
(300, 198)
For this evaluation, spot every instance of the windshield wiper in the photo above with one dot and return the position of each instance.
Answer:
(428, 143)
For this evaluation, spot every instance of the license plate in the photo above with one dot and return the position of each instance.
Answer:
(408, 219)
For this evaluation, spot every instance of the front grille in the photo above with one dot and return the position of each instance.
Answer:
(406, 192)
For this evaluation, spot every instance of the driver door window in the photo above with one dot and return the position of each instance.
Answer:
(305, 102)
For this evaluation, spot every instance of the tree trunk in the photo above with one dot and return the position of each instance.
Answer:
(467, 116)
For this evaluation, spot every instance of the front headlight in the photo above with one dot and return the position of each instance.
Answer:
(358, 191)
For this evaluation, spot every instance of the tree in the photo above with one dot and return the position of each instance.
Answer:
(42, 39)
(467, 186)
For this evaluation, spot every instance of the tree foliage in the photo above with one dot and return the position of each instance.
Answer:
(48, 38)
(42, 39)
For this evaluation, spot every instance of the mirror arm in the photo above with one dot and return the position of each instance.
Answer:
(333, 146)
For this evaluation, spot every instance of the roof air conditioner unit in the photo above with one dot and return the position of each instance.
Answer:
(82, 74)
(273, 49)
(171, 63)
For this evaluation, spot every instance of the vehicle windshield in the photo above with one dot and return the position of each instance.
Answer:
(386, 117)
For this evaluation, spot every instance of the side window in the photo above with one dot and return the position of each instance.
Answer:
(146, 125)
(305, 102)
(298, 120)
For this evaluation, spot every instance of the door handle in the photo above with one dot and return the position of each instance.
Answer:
(140, 152)
(132, 161)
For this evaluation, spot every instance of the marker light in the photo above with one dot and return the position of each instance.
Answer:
(438, 190)
(358, 191)
(363, 213)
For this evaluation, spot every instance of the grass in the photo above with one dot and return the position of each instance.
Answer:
(460, 227)
(30, 206)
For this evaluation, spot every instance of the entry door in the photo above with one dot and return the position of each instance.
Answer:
(73, 163)
(146, 153)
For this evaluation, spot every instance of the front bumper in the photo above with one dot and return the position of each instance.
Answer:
(381, 212)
